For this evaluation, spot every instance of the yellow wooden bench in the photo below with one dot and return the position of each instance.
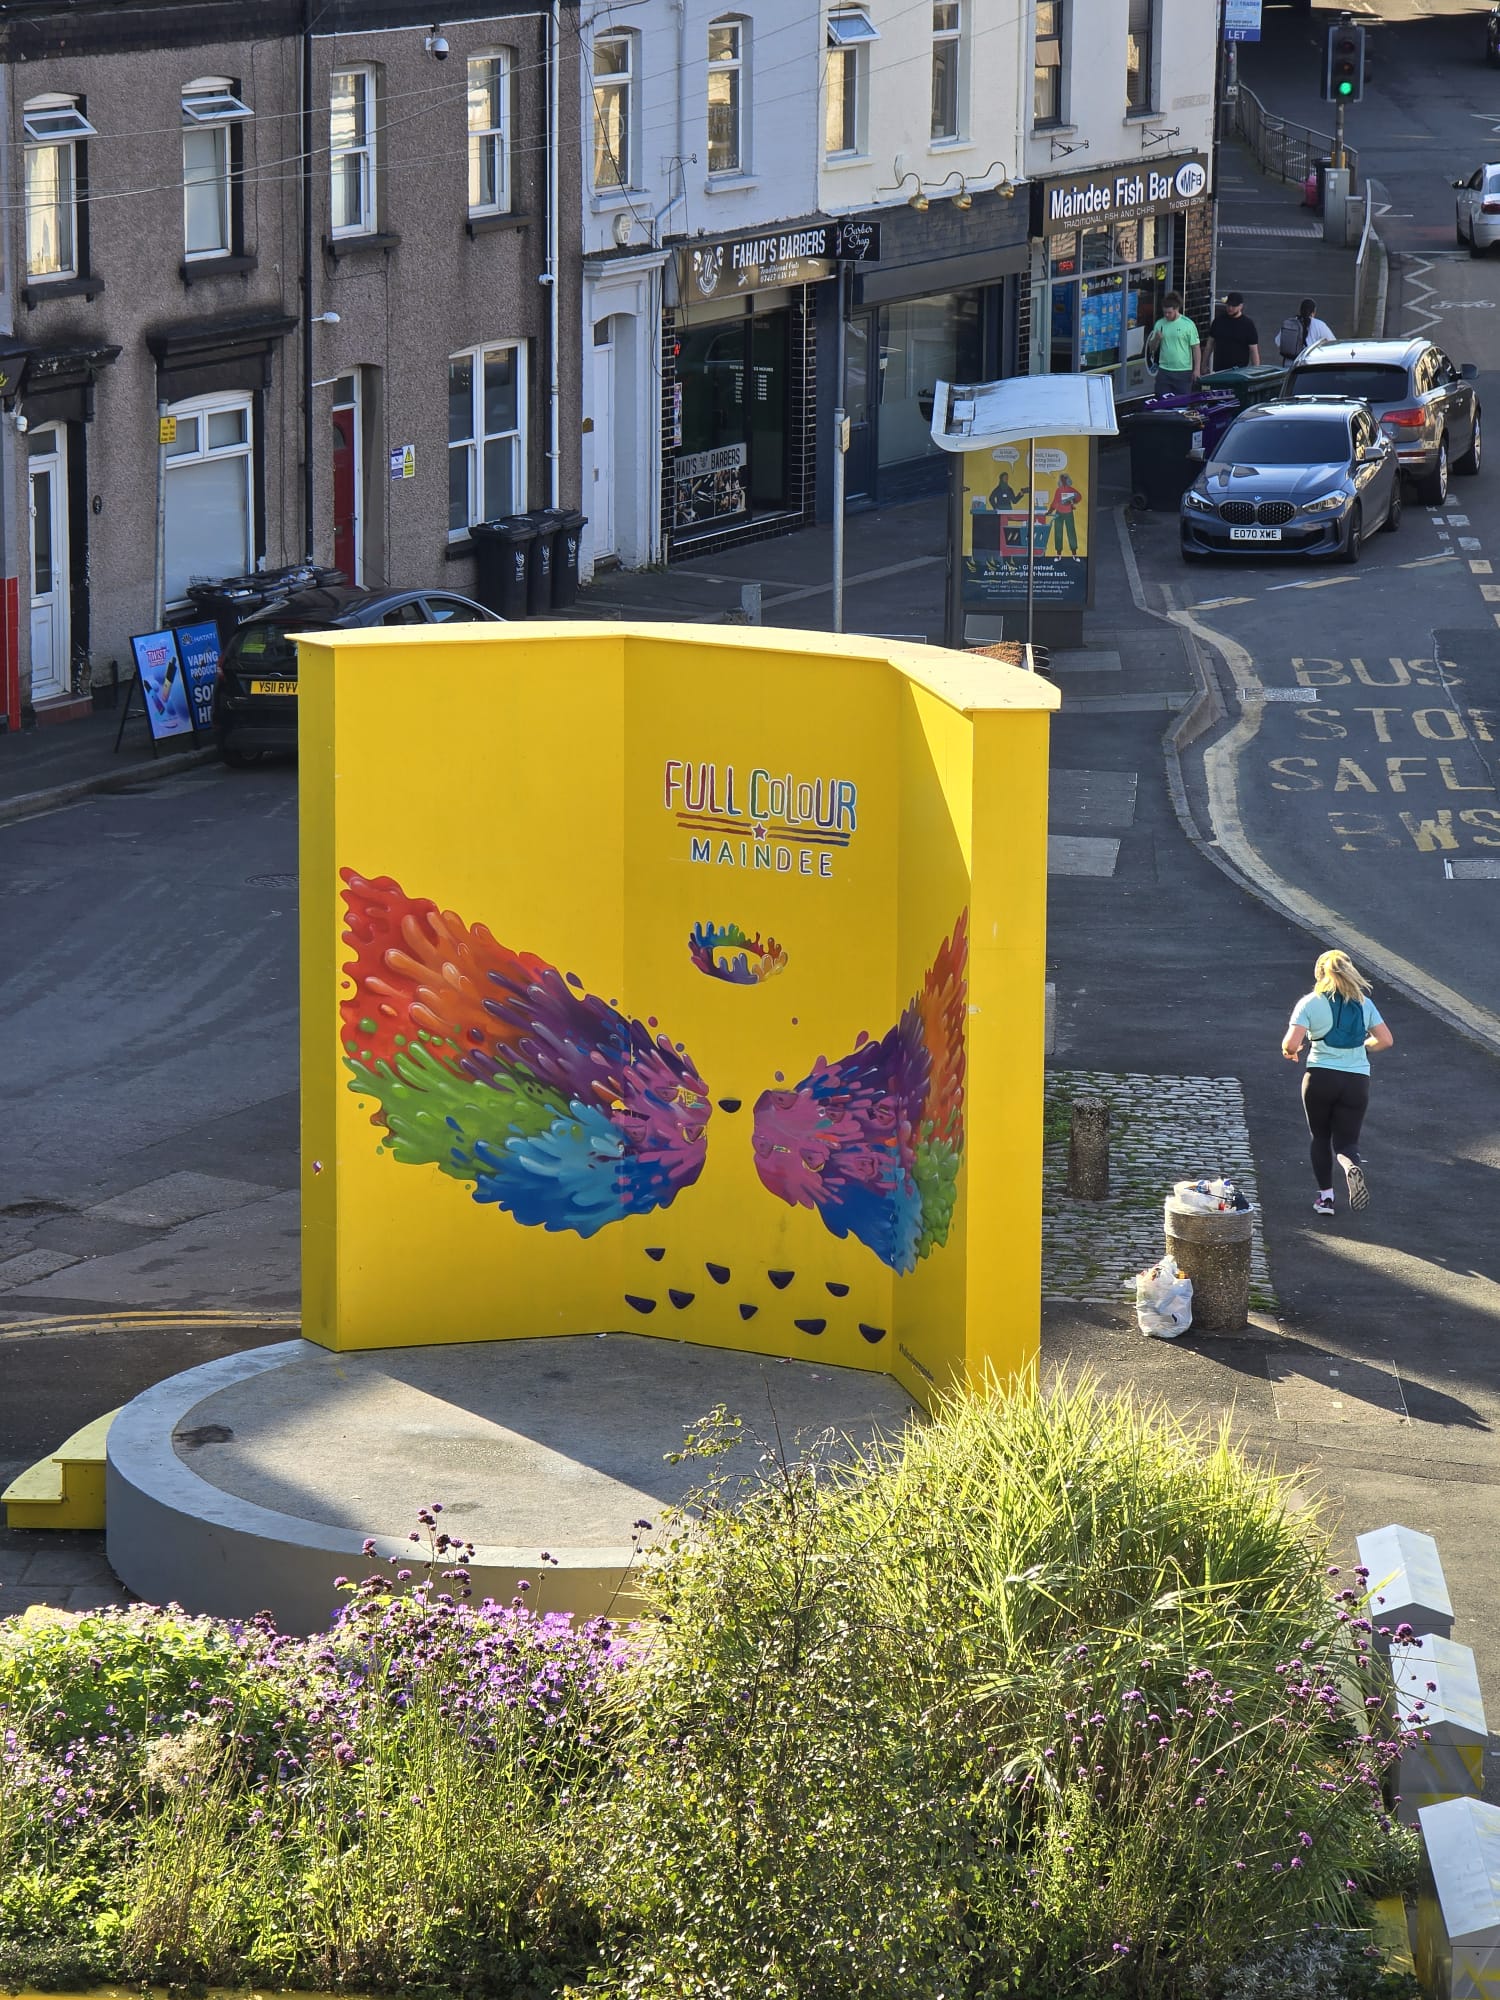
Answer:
(66, 1489)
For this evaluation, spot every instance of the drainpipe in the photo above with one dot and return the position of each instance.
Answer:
(308, 481)
(554, 111)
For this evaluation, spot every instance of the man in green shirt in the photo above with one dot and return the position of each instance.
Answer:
(1173, 345)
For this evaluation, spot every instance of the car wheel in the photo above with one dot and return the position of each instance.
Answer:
(1474, 249)
(1393, 512)
(1458, 233)
(1356, 538)
(1433, 490)
(1470, 461)
(1193, 555)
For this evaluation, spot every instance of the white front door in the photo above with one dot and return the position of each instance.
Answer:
(600, 501)
(47, 479)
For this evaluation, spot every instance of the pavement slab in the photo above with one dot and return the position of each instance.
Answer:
(178, 1198)
(244, 1256)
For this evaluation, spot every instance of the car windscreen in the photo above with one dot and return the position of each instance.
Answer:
(264, 648)
(1285, 441)
(1376, 382)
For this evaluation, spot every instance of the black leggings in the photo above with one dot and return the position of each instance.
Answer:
(1335, 1103)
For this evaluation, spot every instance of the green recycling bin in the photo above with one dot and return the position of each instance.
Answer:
(1261, 384)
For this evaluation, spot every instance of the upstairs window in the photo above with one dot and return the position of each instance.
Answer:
(726, 105)
(352, 151)
(56, 131)
(850, 33)
(614, 110)
(1140, 56)
(1046, 74)
(947, 50)
(211, 164)
(489, 134)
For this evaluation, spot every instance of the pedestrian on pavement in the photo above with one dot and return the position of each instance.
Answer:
(1340, 1024)
(1233, 341)
(1173, 345)
(1300, 329)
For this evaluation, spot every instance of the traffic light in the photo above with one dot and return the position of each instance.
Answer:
(1344, 63)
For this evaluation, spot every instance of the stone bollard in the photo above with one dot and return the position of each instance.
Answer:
(1458, 1906)
(1406, 1583)
(1213, 1250)
(1088, 1149)
(1438, 1700)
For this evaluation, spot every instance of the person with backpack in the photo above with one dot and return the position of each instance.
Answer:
(1300, 329)
(1340, 1025)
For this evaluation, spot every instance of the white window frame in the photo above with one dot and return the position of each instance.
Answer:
(54, 125)
(609, 85)
(210, 107)
(474, 444)
(1148, 107)
(950, 38)
(1055, 46)
(202, 408)
(735, 69)
(850, 33)
(490, 142)
(363, 151)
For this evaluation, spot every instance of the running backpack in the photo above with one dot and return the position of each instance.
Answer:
(1292, 338)
(1348, 1028)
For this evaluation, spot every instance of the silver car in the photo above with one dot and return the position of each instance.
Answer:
(1310, 478)
(1477, 205)
(1426, 405)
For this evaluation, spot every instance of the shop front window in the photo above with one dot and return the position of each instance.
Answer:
(1107, 284)
(734, 383)
(922, 342)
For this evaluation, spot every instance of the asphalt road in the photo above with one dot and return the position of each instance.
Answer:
(1369, 778)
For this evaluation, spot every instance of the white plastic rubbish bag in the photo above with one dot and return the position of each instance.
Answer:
(1163, 1301)
(1207, 1197)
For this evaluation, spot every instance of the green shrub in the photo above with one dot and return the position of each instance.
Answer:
(1052, 1702)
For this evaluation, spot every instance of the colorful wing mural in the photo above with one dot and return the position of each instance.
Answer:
(499, 1070)
(873, 1141)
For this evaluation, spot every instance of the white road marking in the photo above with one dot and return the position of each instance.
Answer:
(1426, 562)
(1314, 583)
(1479, 568)
(1470, 542)
(1218, 603)
(1457, 520)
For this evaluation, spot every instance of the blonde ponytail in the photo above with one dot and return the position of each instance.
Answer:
(1336, 972)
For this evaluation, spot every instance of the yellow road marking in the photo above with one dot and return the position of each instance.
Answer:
(271, 1321)
(1314, 583)
(1426, 562)
(1219, 603)
(1480, 565)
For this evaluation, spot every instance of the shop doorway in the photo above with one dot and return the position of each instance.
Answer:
(859, 461)
(734, 380)
(47, 494)
(348, 479)
(602, 498)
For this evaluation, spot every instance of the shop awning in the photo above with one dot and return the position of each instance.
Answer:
(968, 416)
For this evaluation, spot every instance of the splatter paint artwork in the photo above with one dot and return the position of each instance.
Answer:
(733, 955)
(873, 1140)
(502, 1072)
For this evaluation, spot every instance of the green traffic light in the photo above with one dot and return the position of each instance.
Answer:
(1346, 89)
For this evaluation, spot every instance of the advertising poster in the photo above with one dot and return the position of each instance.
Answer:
(1002, 506)
(163, 684)
(198, 649)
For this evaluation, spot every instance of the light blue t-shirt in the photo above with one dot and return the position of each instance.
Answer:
(1315, 1013)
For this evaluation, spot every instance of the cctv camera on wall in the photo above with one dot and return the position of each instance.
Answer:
(436, 46)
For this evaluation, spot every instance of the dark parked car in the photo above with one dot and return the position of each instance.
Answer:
(1425, 404)
(1307, 478)
(255, 694)
(1492, 37)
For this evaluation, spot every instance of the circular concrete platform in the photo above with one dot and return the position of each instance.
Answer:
(250, 1483)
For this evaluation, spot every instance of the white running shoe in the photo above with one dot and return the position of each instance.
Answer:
(1323, 1205)
(1359, 1191)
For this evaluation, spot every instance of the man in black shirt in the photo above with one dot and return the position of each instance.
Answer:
(1232, 339)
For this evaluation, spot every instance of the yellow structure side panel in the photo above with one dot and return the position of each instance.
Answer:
(639, 992)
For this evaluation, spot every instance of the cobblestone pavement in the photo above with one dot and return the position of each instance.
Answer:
(1162, 1129)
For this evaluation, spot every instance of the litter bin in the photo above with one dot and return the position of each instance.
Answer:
(1213, 1249)
(502, 552)
(1262, 384)
(570, 526)
(545, 522)
(1320, 167)
(1162, 461)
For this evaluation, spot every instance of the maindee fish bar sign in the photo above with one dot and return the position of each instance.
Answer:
(1118, 193)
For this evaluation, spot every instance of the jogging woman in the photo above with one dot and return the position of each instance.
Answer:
(1340, 1024)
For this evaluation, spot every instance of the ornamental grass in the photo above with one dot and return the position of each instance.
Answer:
(1050, 1697)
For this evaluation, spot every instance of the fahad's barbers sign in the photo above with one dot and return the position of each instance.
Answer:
(1115, 194)
(782, 257)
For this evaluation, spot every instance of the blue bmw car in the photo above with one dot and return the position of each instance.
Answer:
(1309, 478)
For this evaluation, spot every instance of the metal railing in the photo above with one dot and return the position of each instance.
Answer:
(1282, 148)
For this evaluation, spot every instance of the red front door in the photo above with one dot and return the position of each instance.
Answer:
(345, 491)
